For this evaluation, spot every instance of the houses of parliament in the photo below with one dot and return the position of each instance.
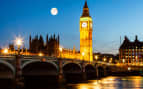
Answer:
(52, 45)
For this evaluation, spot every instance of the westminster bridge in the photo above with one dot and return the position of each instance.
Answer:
(26, 66)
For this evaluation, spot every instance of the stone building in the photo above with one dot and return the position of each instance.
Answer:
(131, 52)
(49, 48)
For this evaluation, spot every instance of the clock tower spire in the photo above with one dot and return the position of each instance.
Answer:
(85, 10)
(86, 34)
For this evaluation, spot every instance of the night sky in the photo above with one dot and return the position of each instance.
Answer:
(111, 19)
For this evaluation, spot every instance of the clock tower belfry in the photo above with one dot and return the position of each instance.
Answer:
(86, 35)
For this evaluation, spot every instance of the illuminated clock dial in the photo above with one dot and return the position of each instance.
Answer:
(84, 24)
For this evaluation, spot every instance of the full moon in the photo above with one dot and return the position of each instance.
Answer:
(54, 11)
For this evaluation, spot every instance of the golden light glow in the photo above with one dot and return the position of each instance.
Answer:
(83, 53)
(86, 38)
(111, 60)
(40, 54)
(61, 49)
(123, 60)
(18, 41)
(129, 68)
(104, 59)
(83, 86)
(96, 57)
(86, 19)
(5, 51)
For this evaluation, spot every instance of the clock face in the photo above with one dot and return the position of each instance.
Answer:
(84, 24)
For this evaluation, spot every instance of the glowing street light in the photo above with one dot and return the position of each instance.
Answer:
(123, 60)
(18, 41)
(5, 51)
(129, 68)
(61, 49)
(96, 57)
(104, 59)
(111, 60)
(83, 53)
(40, 54)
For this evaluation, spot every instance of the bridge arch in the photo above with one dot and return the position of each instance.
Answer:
(90, 67)
(101, 71)
(7, 68)
(33, 61)
(66, 63)
(72, 67)
(8, 65)
(91, 71)
(39, 68)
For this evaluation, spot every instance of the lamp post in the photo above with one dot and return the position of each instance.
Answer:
(104, 59)
(60, 49)
(83, 56)
(111, 60)
(96, 58)
(61, 77)
(18, 73)
(40, 54)
(83, 66)
(19, 43)
(123, 61)
(5, 51)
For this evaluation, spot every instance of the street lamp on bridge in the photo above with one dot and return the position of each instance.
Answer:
(5, 50)
(18, 42)
(40, 54)
(111, 59)
(123, 61)
(83, 56)
(60, 49)
(104, 59)
(96, 57)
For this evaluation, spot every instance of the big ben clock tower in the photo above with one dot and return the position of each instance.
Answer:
(86, 35)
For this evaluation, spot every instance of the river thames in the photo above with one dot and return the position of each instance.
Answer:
(128, 82)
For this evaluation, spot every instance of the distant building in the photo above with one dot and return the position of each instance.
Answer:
(105, 57)
(50, 48)
(131, 52)
(11, 47)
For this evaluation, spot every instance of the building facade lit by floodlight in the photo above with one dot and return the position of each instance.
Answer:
(86, 34)
(131, 52)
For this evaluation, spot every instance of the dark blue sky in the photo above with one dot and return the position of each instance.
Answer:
(111, 19)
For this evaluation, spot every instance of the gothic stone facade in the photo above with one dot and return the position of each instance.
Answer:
(50, 48)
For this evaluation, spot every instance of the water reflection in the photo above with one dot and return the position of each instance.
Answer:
(129, 82)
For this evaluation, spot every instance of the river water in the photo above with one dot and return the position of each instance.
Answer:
(128, 82)
(110, 82)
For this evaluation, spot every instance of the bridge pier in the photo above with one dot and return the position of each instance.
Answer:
(97, 72)
(61, 78)
(18, 74)
(105, 71)
(83, 70)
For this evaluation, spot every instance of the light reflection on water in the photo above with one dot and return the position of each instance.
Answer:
(129, 82)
